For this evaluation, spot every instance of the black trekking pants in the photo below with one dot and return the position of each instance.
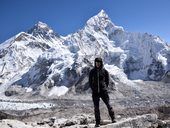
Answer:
(96, 99)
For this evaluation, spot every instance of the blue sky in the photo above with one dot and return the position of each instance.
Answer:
(68, 16)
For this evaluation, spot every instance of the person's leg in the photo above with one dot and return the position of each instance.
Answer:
(96, 100)
(106, 100)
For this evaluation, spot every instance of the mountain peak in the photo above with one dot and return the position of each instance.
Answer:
(99, 19)
(42, 30)
(102, 14)
(102, 21)
(41, 25)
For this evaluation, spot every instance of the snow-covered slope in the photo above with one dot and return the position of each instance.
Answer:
(43, 60)
(140, 55)
(44, 33)
(19, 53)
(17, 56)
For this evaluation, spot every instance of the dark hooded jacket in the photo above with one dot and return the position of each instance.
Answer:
(98, 78)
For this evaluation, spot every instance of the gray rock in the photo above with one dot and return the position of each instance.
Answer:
(144, 121)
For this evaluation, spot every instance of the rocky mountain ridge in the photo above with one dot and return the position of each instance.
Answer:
(42, 60)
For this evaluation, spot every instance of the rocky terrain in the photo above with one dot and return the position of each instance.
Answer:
(145, 104)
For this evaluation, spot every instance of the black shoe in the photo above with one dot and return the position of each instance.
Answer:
(97, 125)
(113, 121)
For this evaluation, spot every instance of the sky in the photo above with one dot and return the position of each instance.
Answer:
(68, 16)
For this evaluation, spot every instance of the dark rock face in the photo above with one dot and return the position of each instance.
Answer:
(3, 52)
(156, 70)
(41, 67)
(14, 91)
(132, 65)
(166, 77)
(43, 30)
(40, 45)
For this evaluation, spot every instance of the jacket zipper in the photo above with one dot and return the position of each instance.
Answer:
(98, 81)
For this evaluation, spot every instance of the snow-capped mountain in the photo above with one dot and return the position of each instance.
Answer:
(20, 52)
(44, 60)
(17, 55)
(139, 55)
(44, 33)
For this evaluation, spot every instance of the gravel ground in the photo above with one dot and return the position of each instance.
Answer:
(127, 101)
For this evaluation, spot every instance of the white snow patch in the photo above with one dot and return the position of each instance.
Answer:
(117, 72)
(162, 59)
(42, 25)
(139, 81)
(28, 89)
(58, 91)
(23, 106)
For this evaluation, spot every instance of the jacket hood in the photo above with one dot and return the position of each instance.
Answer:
(98, 60)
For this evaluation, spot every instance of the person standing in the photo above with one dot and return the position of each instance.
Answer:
(99, 81)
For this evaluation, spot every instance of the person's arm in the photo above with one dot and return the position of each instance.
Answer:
(107, 78)
(90, 79)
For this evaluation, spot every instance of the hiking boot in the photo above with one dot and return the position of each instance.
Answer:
(113, 121)
(97, 125)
